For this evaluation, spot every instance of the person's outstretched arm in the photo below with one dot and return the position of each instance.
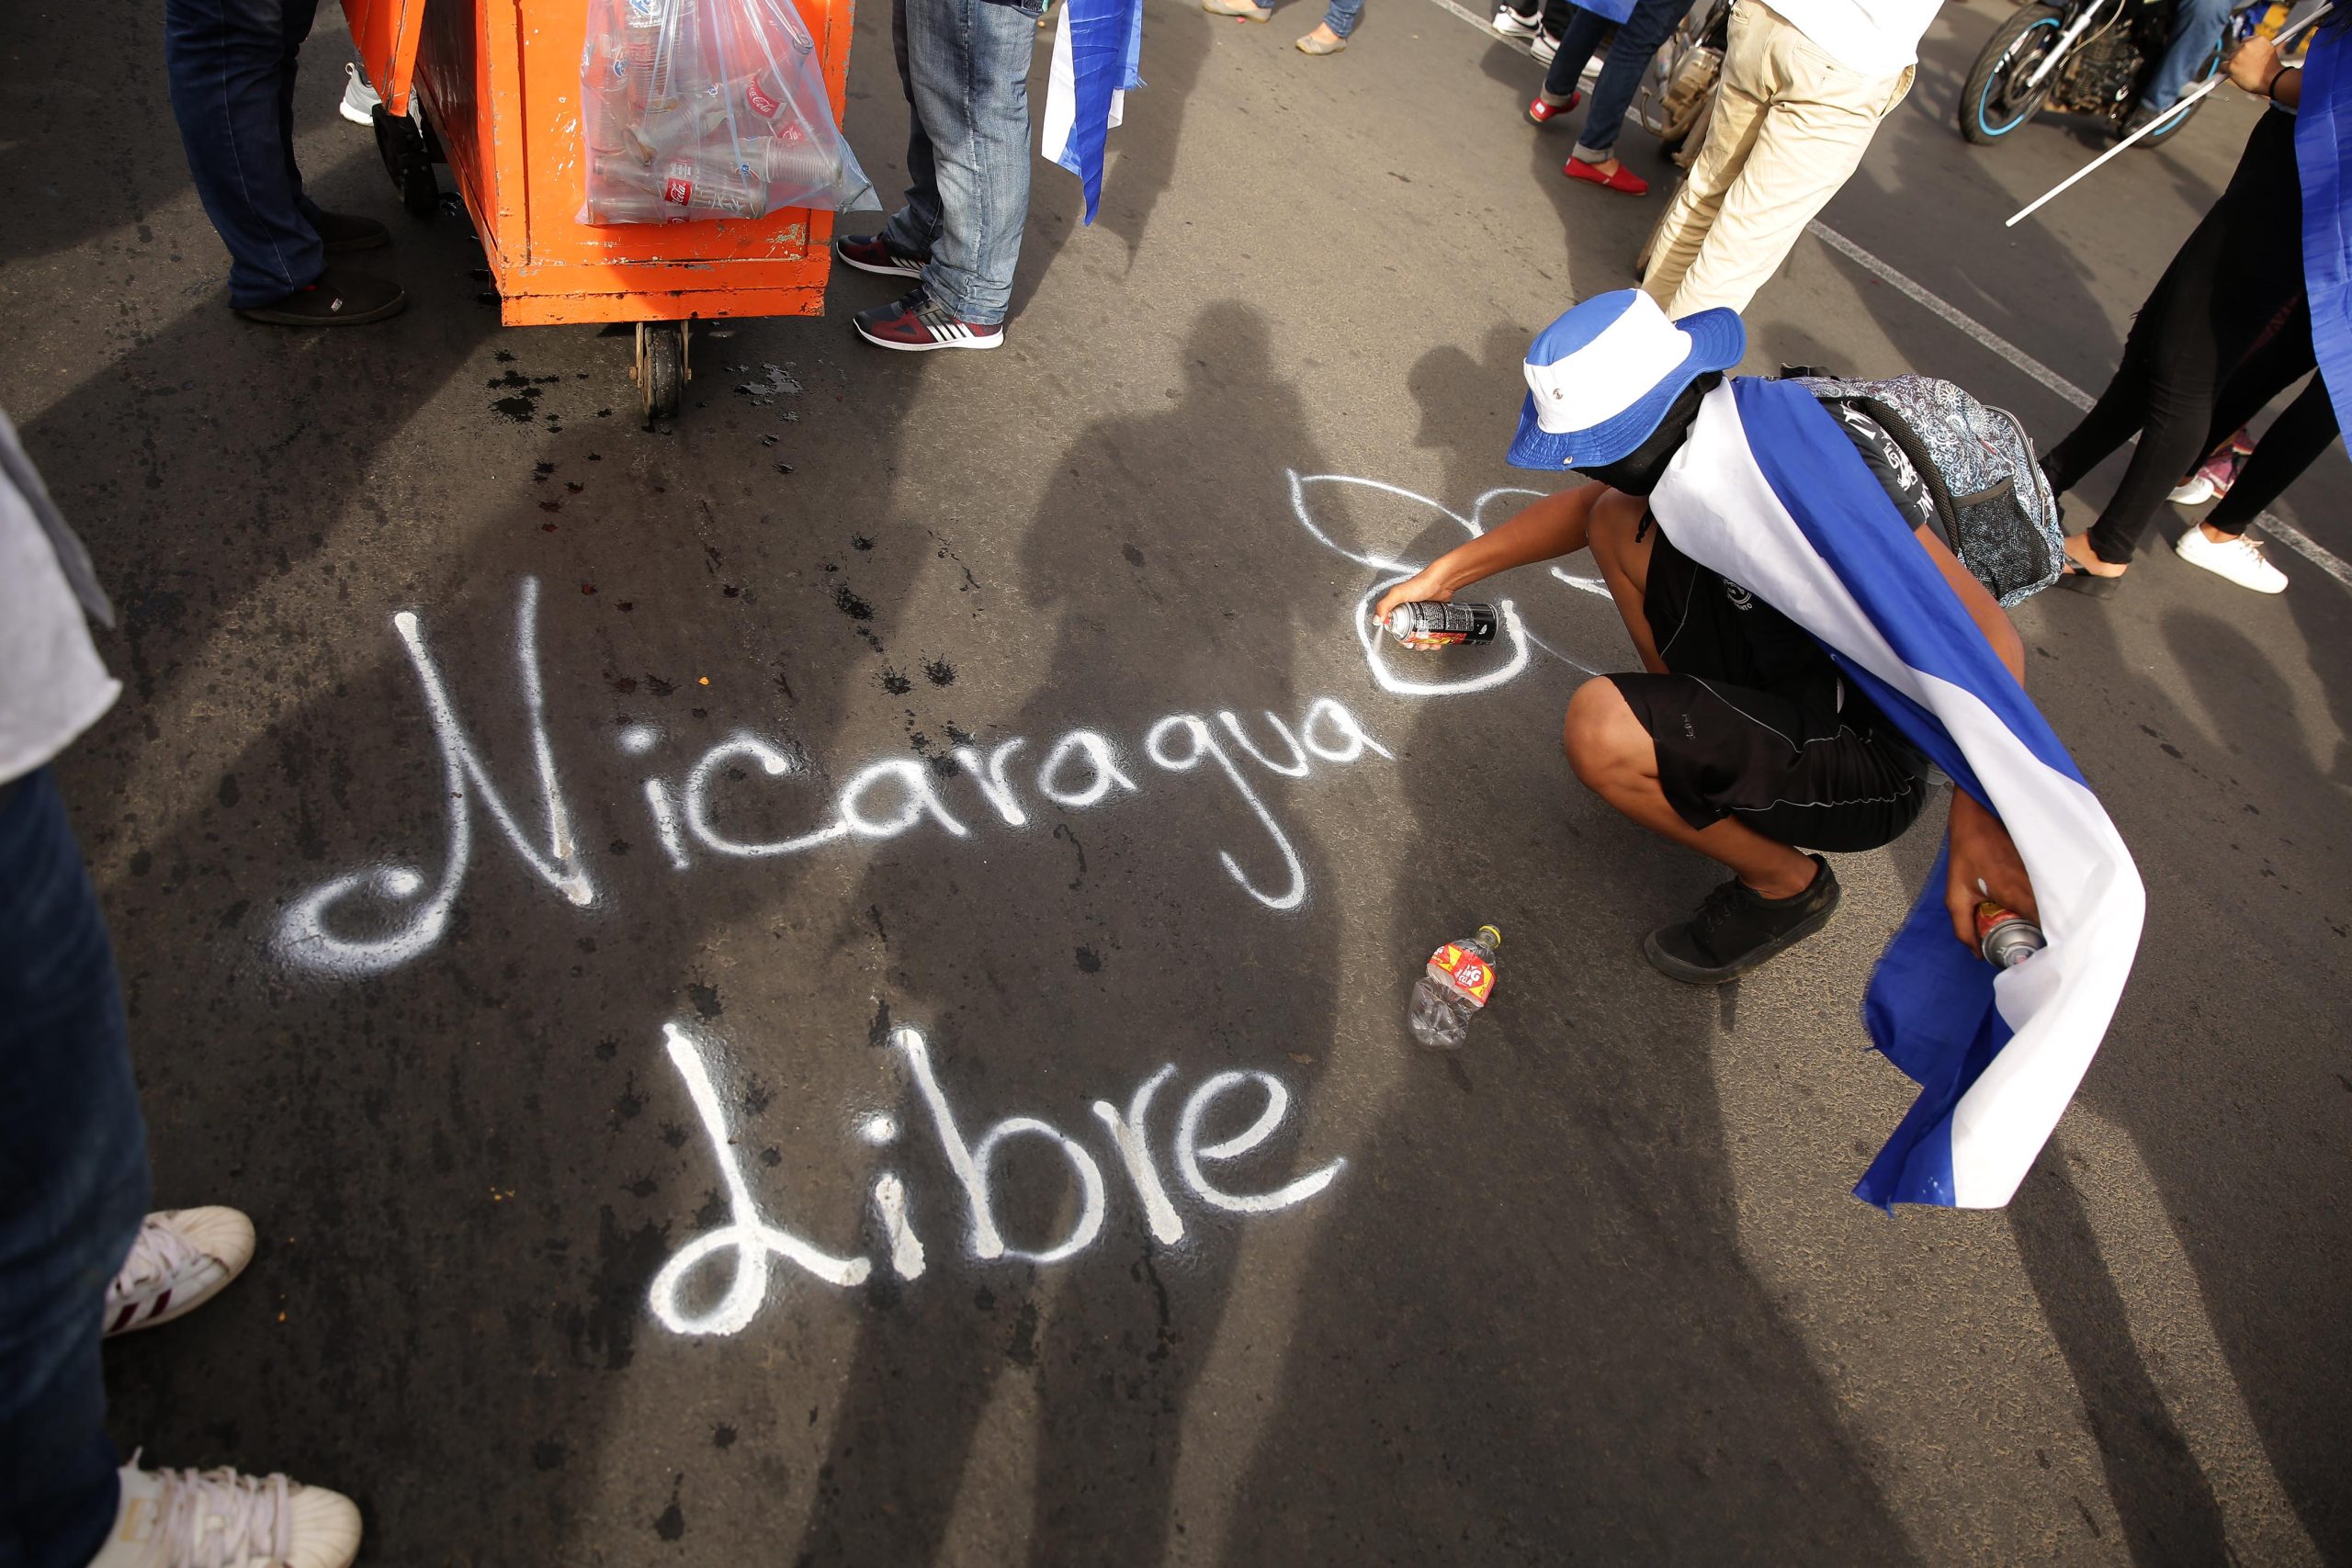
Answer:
(1555, 526)
(1982, 851)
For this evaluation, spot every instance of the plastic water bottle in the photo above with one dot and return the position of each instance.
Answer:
(606, 122)
(689, 189)
(1460, 978)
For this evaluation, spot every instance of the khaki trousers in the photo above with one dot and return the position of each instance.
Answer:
(1790, 125)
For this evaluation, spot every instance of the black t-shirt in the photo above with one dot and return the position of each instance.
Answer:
(1783, 656)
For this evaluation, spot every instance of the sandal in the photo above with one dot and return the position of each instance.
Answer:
(2072, 574)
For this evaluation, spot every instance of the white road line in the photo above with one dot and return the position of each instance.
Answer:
(1952, 313)
(2277, 527)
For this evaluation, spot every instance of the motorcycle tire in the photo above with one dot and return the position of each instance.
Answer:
(2169, 128)
(1987, 111)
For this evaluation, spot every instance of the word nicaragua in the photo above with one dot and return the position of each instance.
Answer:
(753, 1239)
(1080, 770)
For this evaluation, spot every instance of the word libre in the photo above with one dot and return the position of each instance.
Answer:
(753, 1240)
(1081, 770)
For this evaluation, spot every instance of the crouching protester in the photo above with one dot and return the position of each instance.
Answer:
(1816, 603)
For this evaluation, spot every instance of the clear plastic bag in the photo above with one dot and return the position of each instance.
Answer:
(695, 109)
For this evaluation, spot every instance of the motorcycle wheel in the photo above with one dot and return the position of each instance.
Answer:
(1989, 110)
(2167, 129)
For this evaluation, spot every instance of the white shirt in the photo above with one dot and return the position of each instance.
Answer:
(53, 685)
(1877, 38)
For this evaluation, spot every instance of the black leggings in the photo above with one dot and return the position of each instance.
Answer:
(2225, 330)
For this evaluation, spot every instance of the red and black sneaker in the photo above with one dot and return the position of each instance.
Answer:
(875, 252)
(918, 323)
(1542, 110)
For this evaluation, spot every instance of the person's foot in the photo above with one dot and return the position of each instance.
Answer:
(2140, 117)
(2194, 491)
(2082, 570)
(1322, 41)
(342, 232)
(183, 1258)
(2232, 556)
(1241, 8)
(359, 99)
(338, 299)
(879, 253)
(1545, 47)
(1612, 175)
(179, 1518)
(1543, 111)
(1735, 928)
(1514, 24)
(919, 323)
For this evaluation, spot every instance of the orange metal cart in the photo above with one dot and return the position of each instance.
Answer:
(497, 82)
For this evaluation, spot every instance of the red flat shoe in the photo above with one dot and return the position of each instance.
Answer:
(1539, 113)
(1624, 180)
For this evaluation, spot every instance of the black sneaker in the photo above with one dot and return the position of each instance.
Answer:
(340, 231)
(338, 299)
(919, 323)
(1734, 930)
(2141, 117)
(875, 253)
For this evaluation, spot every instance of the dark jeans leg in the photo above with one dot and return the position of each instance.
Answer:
(2293, 444)
(232, 69)
(72, 1184)
(1579, 39)
(2164, 389)
(1621, 76)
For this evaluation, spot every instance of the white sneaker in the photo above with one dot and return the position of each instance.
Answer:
(359, 99)
(1545, 47)
(2239, 559)
(2194, 491)
(1511, 23)
(178, 1519)
(182, 1259)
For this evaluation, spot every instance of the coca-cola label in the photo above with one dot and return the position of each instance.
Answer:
(678, 189)
(762, 104)
(1462, 972)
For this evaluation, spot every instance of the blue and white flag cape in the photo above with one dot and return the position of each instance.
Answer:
(2323, 151)
(1098, 54)
(1770, 494)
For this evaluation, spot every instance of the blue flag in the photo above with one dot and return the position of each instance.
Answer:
(2323, 144)
(1098, 55)
(1769, 494)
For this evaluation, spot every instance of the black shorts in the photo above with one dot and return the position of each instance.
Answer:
(1756, 722)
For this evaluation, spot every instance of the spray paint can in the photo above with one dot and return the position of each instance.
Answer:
(2006, 938)
(1429, 624)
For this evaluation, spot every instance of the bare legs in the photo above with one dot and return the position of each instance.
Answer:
(1613, 756)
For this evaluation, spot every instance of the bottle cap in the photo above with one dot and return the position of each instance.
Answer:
(1493, 934)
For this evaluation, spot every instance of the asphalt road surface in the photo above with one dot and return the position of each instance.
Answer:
(524, 1088)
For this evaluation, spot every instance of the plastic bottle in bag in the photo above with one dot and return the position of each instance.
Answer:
(788, 161)
(689, 188)
(605, 94)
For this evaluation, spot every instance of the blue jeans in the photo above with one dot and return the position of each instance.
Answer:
(2196, 28)
(232, 69)
(1342, 16)
(1638, 37)
(73, 1185)
(964, 66)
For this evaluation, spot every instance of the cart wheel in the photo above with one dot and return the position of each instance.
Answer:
(407, 159)
(660, 369)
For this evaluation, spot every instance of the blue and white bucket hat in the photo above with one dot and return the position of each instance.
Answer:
(1600, 377)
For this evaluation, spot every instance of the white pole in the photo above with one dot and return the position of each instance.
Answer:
(2194, 95)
